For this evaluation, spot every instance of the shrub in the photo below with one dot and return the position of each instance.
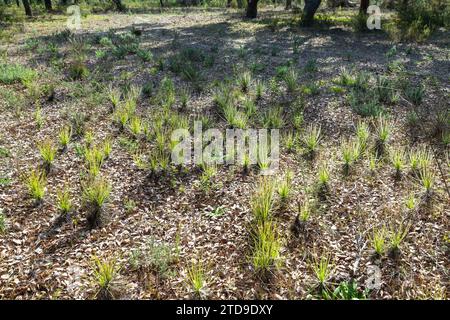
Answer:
(347, 291)
(358, 22)
(417, 19)
(156, 257)
(13, 73)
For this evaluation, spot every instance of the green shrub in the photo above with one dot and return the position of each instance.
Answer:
(419, 18)
(14, 73)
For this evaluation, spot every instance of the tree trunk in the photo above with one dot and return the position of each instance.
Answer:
(26, 5)
(48, 5)
(228, 3)
(339, 3)
(119, 6)
(309, 11)
(288, 5)
(363, 6)
(252, 9)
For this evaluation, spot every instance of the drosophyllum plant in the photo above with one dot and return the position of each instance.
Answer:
(426, 178)
(36, 182)
(95, 195)
(262, 201)
(419, 159)
(47, 151)
(323, 177)
(378, 241)
(303, 215)
(398, 161)
(284, 188)
(64, 137)
(196, 278)
(244, 81)
(64, 201)
(311, 139)
(396, 237)
(323, 269)
(114, 97)
(350, 150)
(383, 134)
(265, 256)
(105, 272)
(363, 134)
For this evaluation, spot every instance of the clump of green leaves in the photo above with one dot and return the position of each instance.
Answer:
(323, 269)
(291, 79)
(64, 201)
(378, 240)
(2, 222)
(312, 138)
(396, 237)
(154, 256)
(266, 248)
(105, 271)
(47, 151)
(244, 81)
(197, 278)
(64, 136)
(363, 134)
(95, 195)
(284, 188)
(397, 160)
(263, 199)
(36, 182)
(383, 134)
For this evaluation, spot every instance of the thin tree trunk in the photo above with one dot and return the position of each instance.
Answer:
(26, 5)
(252, 9)
(18, 3)
(48, 5)
(363, 6)
(288, 5)
(119, 6)
(309, 11)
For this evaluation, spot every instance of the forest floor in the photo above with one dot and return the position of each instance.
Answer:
(45, 256)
